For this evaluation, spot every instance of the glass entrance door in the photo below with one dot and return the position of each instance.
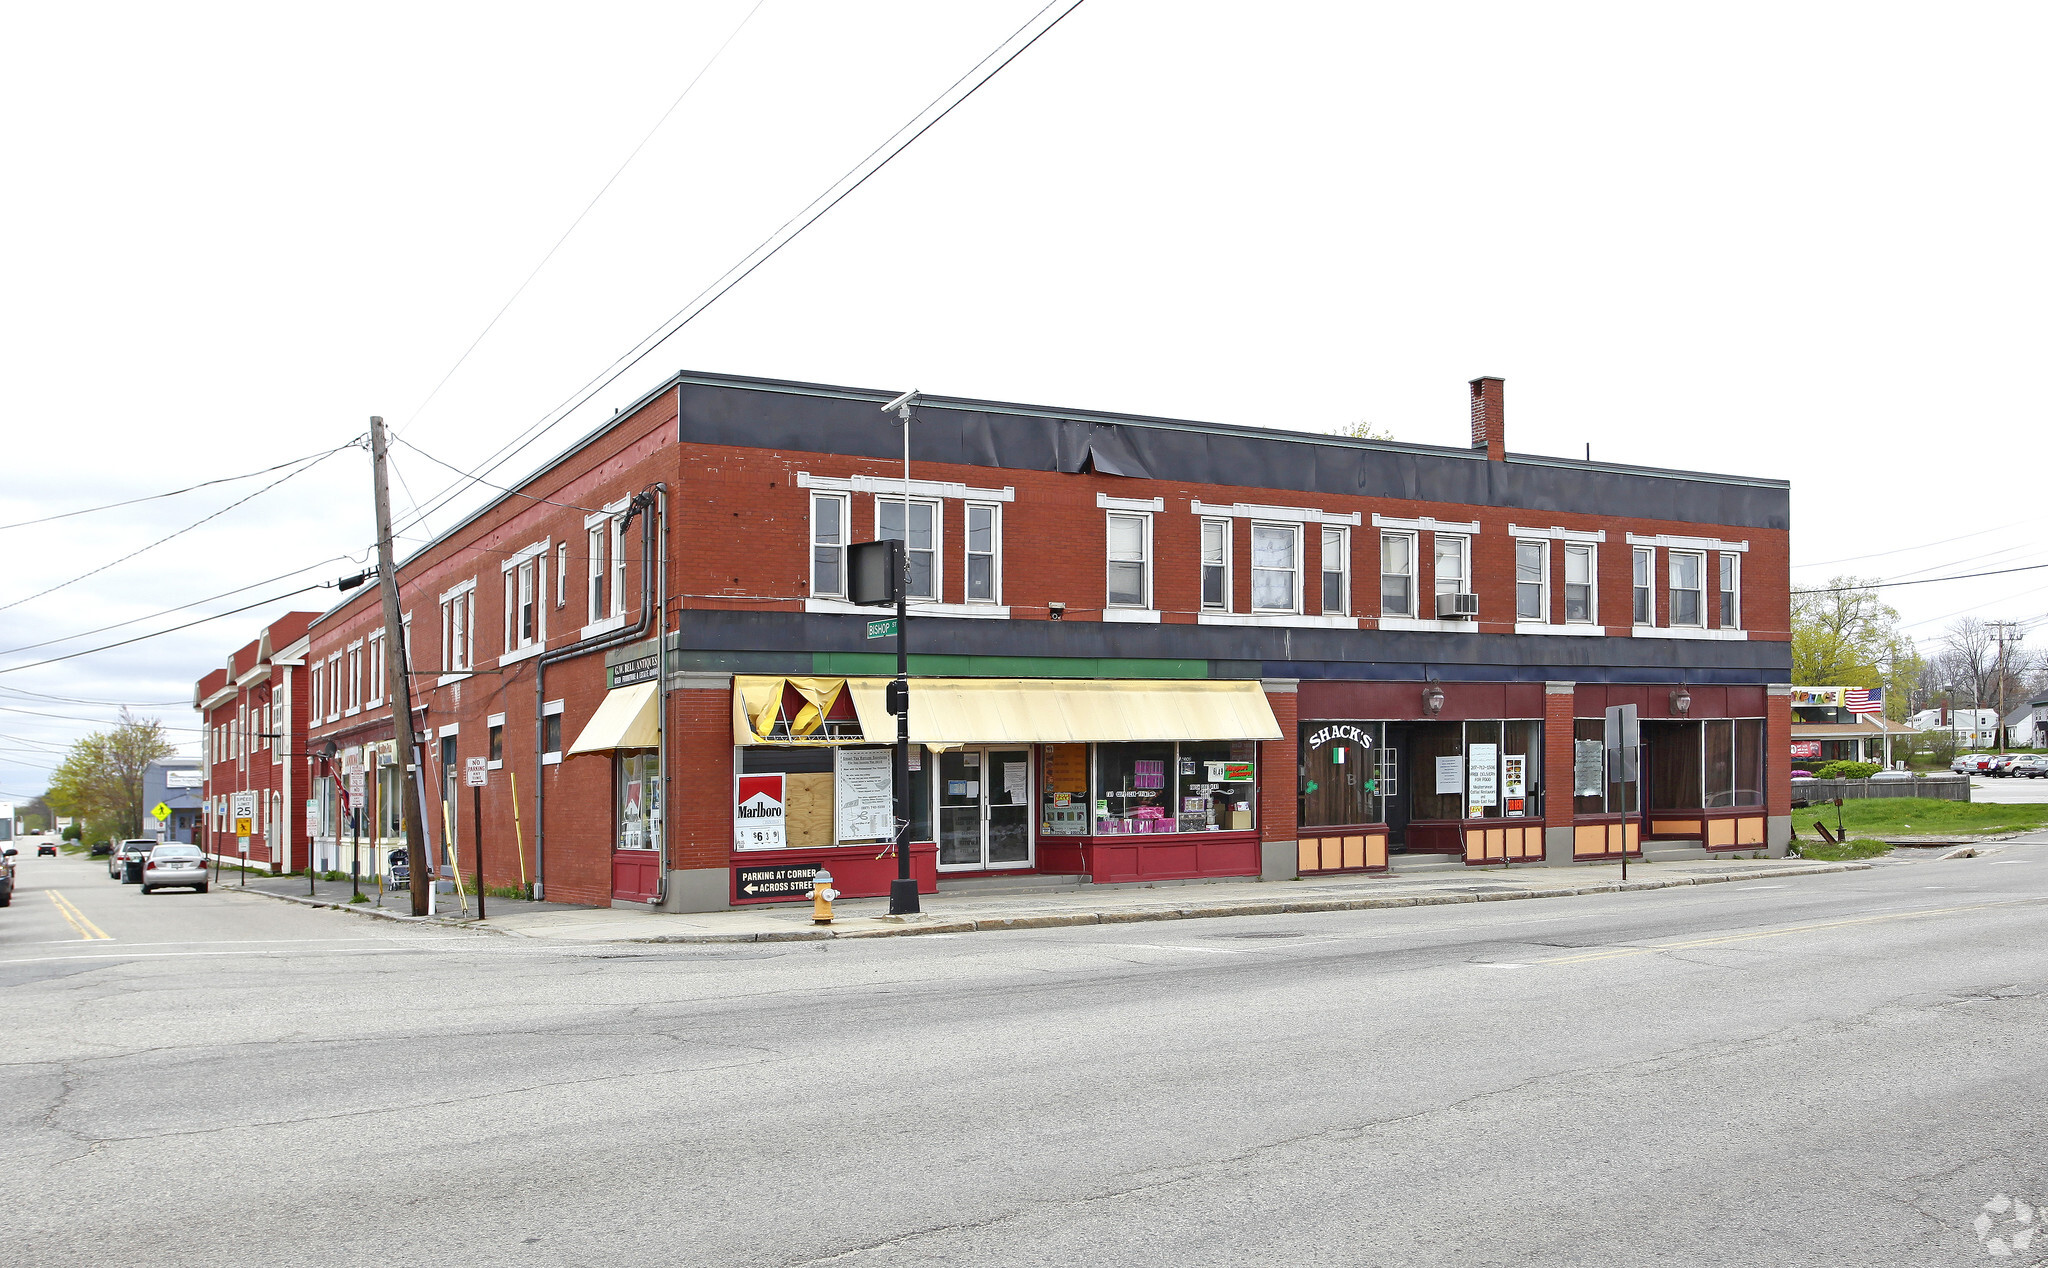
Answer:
(984, 808)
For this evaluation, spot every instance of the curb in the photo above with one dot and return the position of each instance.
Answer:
(997, 924)
(365, 909)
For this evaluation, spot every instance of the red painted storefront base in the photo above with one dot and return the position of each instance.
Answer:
(856, 872)
(1176, 856)
(636, 875)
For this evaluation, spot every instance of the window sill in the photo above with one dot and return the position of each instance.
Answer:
(524, 653)
(1689, 631)
(551, 759)
(1433, 627)
(1131, 616)
(349, 713)
(1575, 628)
(1289, 620)
(445, 679)
(498, 765)
(918, 607)
(606, 626)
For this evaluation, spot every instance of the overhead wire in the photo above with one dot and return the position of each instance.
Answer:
(140, 638)
(298, 471)
(1884, 585)
(1827, 563)
(761, 254)
(580, 216)
(567, 506)
(111, 704)
(157, 497)
(29, 647)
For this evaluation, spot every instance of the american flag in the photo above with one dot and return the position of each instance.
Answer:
(1864, 699)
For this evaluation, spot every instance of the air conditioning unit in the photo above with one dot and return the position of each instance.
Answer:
(1457, 605)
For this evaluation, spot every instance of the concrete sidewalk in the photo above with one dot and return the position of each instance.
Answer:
(1107, 904)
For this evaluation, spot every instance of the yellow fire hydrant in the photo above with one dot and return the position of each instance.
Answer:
(822, 895)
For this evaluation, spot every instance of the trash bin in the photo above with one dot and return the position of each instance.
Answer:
(131, 872)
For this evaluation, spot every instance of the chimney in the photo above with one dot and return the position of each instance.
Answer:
(1488, 428)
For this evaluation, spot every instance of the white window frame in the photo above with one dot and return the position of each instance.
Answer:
(1592, 554)
(1436, 576)
(1642, 565)
(1293, 531)
(938, 551)
(1144, 561)
(561, 577)
(598, 539)
(1671, 582)
(1729, 565)
(458, 651)
(1542, 582)
(1221, 527)
(620, 602)
(552, 708)
(493, 722)
(380, 670)
(845, 504)
(994, 552)
(530, 561)
(355, 677)
(1342, 537)
(1414, 548)
(334, 687)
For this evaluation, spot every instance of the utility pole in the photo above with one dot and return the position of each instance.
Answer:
(1998, 728)
(398, 688)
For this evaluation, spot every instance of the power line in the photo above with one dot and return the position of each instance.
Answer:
(157, 497)
(588, 208)
(567, 506)
(139, 638)
(1885, 585)
(316, 461)
(760, 255)
(29, 647)
(66, 717)
(111, 704)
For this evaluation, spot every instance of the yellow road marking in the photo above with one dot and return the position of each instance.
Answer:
(1691, 943)
(76, 919)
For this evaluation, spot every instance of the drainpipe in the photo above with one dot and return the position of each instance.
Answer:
(661, 691)
(584, 647)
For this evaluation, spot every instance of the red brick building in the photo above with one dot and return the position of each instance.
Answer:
(1143, 648)
(253, 716)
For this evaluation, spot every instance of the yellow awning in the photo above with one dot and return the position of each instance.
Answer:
(624, 719)
(950, 711)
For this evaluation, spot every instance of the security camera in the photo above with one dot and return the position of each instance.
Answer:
(901, 402)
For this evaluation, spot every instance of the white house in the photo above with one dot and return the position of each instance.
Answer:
(1974, 728)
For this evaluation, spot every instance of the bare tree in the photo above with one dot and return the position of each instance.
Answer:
(1971, 665)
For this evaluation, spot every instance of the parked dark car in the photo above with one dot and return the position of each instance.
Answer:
(7, 875)
(100, 849)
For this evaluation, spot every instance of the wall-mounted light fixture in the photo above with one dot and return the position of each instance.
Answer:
(1056, 611)
(1432, 698)
(1681, 702)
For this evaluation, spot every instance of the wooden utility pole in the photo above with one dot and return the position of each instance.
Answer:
(398, 682)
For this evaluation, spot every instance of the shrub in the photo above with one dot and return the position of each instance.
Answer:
(1847, 770)
(72, 832)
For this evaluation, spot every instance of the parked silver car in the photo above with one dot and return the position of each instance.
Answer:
(2032, 766)
(175, 866)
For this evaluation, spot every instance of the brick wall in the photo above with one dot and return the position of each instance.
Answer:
(1278, 806)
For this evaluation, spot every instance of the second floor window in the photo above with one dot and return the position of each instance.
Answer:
(1731, 591)
(1645, 598)
(458, 632)
(828, 544)
(1397, 574)
(1578, 583)
(984, 548)
(1336, 572)
(1276, 568)
(1688, 588)
(1453, 554)
(355, 678)
(1130, 569)
(922, 543)
(1216, 565)
(380, 670)
(600, 601)
(1532, 581)
(526, 584)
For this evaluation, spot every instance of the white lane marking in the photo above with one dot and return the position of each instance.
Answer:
(1158, 946)
(1500, 966)
(2003, 862)
(111, 954)
(1746, 889)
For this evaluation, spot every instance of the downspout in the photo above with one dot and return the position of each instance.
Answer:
(661, 693)
(583, 647)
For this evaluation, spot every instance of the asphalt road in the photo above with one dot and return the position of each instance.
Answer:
(1829, 1070)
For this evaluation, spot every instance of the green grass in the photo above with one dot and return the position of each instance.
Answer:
(1812, 847)
(1922, 816)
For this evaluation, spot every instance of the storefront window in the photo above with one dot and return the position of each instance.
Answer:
(1343, 773)
(637, 808)
(1749, 762)
(1593, 793)
(1063, 797)
(1482, 769)
(1165, 787)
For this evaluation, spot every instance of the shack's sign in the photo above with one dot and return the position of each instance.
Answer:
(1341, 731)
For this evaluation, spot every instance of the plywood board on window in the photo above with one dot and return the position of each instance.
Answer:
(1749, 832)
(810, 808)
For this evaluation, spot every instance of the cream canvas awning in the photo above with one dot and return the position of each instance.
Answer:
(950, 711)
(624, 719)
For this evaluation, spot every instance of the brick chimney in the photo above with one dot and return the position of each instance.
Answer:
(1488, 428)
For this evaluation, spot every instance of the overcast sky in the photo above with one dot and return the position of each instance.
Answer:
(1778, 239)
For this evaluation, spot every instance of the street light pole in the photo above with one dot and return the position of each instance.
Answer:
(903, 890)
